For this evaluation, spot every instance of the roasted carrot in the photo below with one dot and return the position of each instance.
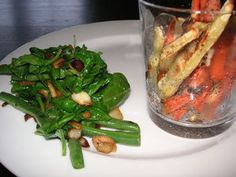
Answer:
(211, 7)
(206, 9)
(170, 32)
(217, 68)
(220, 60)
(203, 4)
(179, 113)
(179, 104)
(195, 6)
(199, 77)
(230, 65)
(176, 102)
(187, 85)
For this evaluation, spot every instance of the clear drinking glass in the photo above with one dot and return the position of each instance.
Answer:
(190, 62)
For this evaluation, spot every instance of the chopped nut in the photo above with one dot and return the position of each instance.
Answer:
(4, 104)
(75, 125)
(43, 93)
(58, 63)
(84, 142)
(86, 115)
(74, 133)
(27, 117)
(104, 144)
(52, 89)
(116, 113)
(77, 64)
(82, 98)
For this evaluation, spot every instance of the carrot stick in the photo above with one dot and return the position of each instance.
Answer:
(176, 102)
(199, 77)
(217, 67)
(210, 6)
(179, 113)
(170, 32)
(203, 4)
(179, 104)
(195, 6)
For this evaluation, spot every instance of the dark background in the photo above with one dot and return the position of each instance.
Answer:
(22, 21)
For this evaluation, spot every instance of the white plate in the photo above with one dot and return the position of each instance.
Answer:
(160, 153)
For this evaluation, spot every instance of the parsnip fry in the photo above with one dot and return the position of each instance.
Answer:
(179, 71)
(158, 39)
(169, 84)
(177, 31)
(172, 48)
(155, 56)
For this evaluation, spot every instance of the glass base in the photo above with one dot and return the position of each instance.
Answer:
(188, 132)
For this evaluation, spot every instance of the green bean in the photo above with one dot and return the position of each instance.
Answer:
(23, 106)
(120, 124)
(60, 134)
(76, 155)
(47, 126)
(127, 138)
(40, 102)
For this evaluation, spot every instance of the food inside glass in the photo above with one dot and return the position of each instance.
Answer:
(190, 60)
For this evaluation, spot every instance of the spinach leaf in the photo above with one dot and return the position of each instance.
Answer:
(113, 94)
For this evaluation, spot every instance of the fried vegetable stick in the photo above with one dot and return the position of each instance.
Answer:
(169, 84)
(175, 46)
(181, 68)
(174, 30)
(155, 56)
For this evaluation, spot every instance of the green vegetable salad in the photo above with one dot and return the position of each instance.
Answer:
(70, 93)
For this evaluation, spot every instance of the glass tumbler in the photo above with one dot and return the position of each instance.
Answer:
(190, 59)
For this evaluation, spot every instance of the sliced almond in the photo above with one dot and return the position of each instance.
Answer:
(84, 143)
(27, 117)
(104, 144)
(75, 124)
(82, 98)
(78, 65)
(116, 113)
(86, 114)
(4, 104)
(44, 93)
(74, 133)
(52, 90)
(58, 63)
